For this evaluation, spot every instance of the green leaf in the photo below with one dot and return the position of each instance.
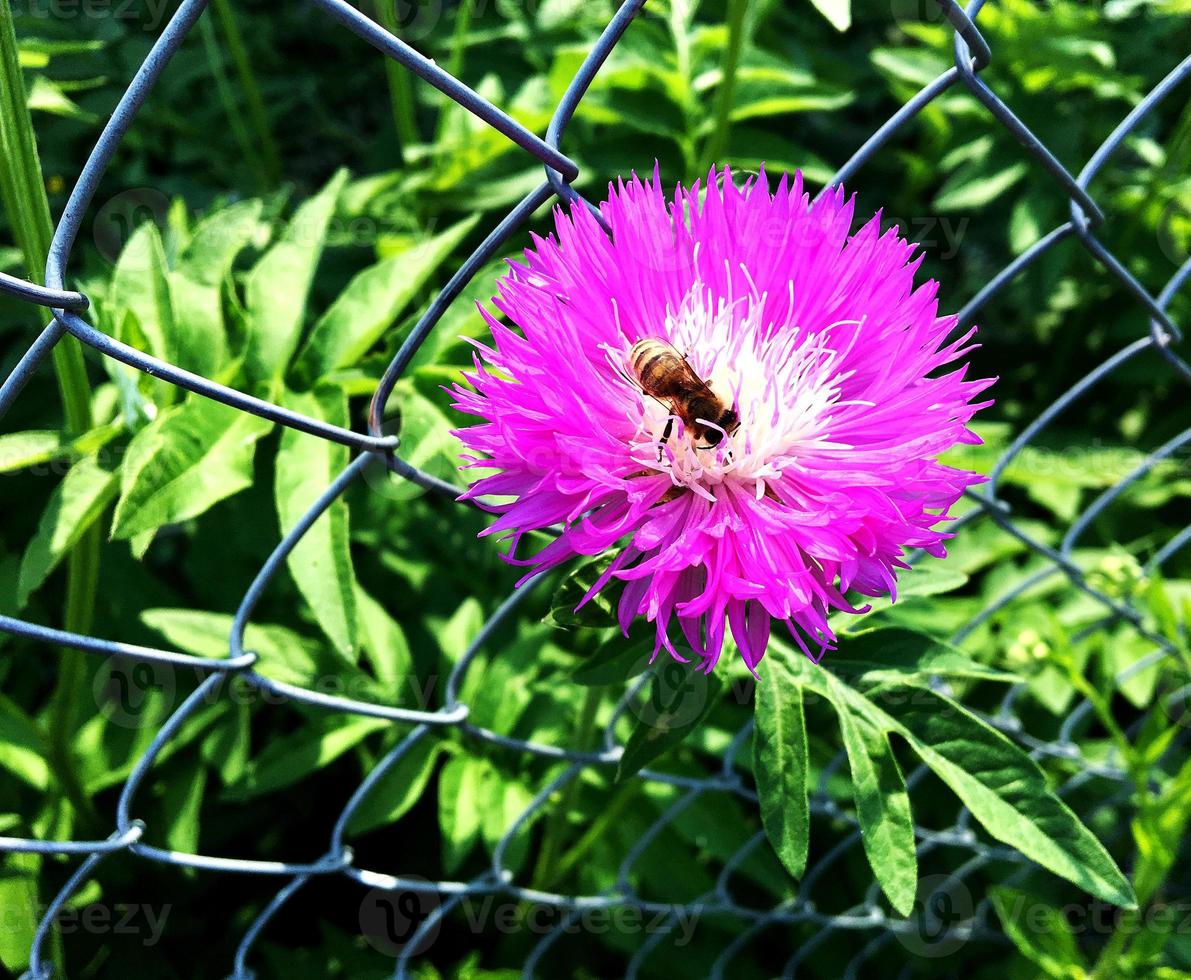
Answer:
(22, 750)
(398, 789)
(897, 653)
(278, 286)
(139, 286)
(1040, 932)
(599, 611)
(283, 654)
(965, 191)
(1003, 787)
(291, 758)
(780, 761)
(226, 750)
(321, 563)
(459, 808)
(19, 450)
(680, 698)
(426, 442)
(615, 662)
(882, 804)
(837, 12)
(46, 95)
(932, 578)
(504, 800)
(22, 450)
(372, 302)
(182, 802)
(76, 503)
(1160, 830)
(384, 642)
(183, 463)
(22, 909)
(196, 285)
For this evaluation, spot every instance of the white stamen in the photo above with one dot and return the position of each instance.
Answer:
(782, 383)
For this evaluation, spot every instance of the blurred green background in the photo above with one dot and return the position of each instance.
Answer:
(282, 157)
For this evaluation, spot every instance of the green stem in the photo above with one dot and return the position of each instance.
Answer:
(717, 143)
(455, 65)
(556, 825)
(400, 91)
(22, 190)
(248, 146)
(255, 105)
(1115, 732)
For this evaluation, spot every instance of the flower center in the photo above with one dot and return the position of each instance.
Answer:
(774, 385)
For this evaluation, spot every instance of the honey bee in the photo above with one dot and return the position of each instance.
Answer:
(666, 375)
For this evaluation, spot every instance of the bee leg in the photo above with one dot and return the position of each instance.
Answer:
(666, 433)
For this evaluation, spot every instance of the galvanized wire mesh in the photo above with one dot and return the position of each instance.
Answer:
(867, 918)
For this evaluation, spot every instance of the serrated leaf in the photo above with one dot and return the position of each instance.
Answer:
(372, 302)
(76, 503)
(278, 286)
(320, 563)
(780, 762)
(183, 463)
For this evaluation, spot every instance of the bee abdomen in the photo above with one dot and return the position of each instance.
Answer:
(653, 363)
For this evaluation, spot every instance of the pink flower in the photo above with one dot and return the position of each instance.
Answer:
(819, 340)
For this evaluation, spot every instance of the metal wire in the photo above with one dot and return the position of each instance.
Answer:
(972, 55)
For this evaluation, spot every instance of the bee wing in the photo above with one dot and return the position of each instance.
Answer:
(697, 385)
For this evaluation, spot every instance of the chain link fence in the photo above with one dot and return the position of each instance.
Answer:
(410, 910)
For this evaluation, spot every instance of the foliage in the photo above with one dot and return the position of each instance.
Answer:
(301, 291)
